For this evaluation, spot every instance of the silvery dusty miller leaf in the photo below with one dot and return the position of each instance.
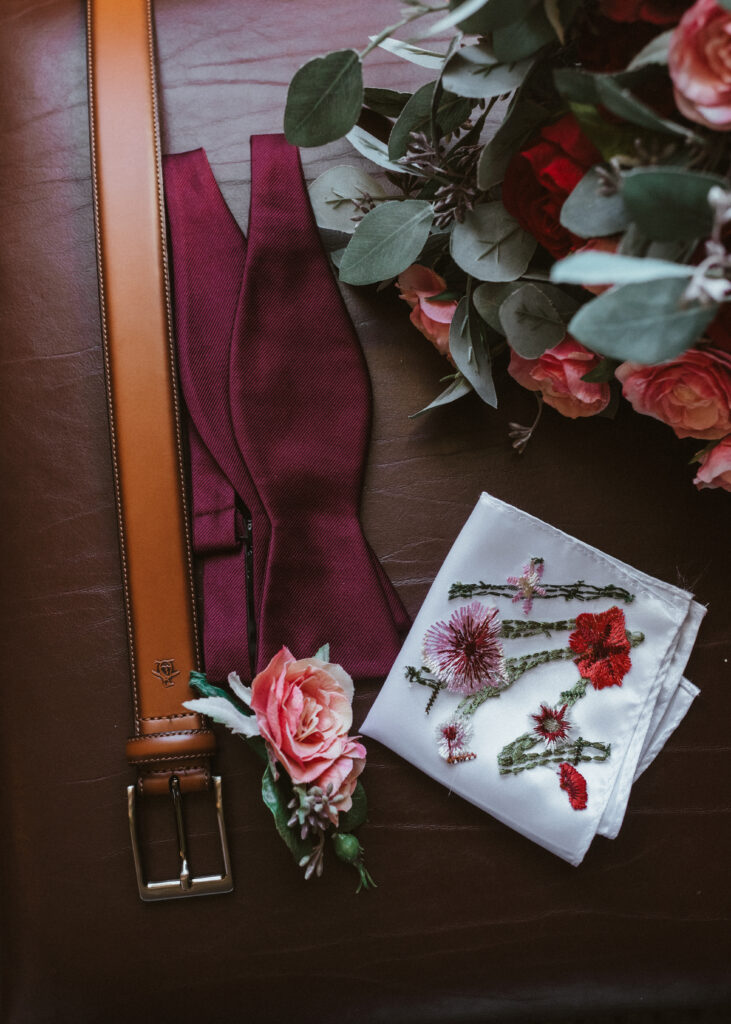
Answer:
(324, 99)
(386, 241)
(490, 244)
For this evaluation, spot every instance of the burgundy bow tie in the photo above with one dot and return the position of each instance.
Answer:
(278, 393)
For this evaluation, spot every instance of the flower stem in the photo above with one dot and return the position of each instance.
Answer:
(517, 756)
(420, 10)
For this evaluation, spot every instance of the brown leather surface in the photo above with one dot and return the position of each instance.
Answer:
(470, 922)
(144, 410)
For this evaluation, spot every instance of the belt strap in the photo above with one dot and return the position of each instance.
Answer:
(171, 747)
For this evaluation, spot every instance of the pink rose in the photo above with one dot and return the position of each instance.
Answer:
(557, 375)
(418, 285)
(692, 394)
(700, 65)
(715, 467)
(303, 710)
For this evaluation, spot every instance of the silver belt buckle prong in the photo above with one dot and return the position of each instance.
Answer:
(185, 884)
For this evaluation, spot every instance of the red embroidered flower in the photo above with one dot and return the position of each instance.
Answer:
(573, 783)
(551, 723)
(466, 652)
(601, 641)
(538, 182)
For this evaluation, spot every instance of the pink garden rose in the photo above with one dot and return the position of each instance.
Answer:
(417, 285)
(700, 65)
(715, 467)
(692, 393)
(303, 710)
(557, 375)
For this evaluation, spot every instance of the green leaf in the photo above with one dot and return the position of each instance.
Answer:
(635, 243)
(200, 684)
(332, 196)
(350, 820)
(494, 14)
(523, 38)
(386, 241)
(641, 322)
(488, 298)
(324, 99)
(457, 388)
(610, 137)
(324, 653)
(669, 203)
(622, 103)
(471, 353)
(276, 794)
(452, 111)
(475, 71)
(372, 148)
(414, 54)
(521, 122)
(531, 322)
(490, 245)
(588, 268)
(386, 101)
(589, 213)
(655, 52)
(603, 372)
(456, 15)
(726, 4)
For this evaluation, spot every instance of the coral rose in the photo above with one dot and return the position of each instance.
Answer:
(540, 178)
(715, 467)
(418, 285)
(303, 710)
(557, 375)
(692, 393)
(700, 65)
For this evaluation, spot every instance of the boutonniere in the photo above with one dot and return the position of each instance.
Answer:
(296, 716)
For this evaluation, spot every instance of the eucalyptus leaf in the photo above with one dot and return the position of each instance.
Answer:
(386, 101)
(589, 213)
(276, 795)
(324, 100)
(386, 241)
(430, 59)
(333, 193)
(458, 14)
(635, 243)
(669, 203)
(603, 372)
(531, 322)
(475, 71)
(610, 137)
(471, 353)
(644, 323)
(622, 103)
(523, 38)
(487, 299)
(350, 820)
(590, 268)
(457, 388)
(655, 52)
(521, 121)
(490, 245)
(372, 148)
(452, 111)
(494, 14)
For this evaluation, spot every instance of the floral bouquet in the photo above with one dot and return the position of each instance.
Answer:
(296, 716)
(586, 240)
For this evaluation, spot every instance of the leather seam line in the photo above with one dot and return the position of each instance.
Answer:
(169, 317)
(160, 758)
(165, 718)
(157, 735)
(108, 374)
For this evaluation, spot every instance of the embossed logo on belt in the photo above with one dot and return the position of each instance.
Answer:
(166, 671)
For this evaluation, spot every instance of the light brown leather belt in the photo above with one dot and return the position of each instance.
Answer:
(171, 747)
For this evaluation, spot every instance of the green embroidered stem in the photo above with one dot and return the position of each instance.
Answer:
(579, 591)
(570, 697)
(516, 629)
(516, 757)
(422, 676)
(515, 667)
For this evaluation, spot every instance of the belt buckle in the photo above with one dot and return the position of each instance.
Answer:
(185, 884)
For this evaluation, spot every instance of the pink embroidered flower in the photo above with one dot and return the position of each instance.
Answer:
(466, 652)
(303, 710)
(418, 285)
(557, 375)
(715, 467)
(573, 783)
(552, 724)
(699, 62)
(528, 583)
(453, 737)
(601, 642)
(692, 394)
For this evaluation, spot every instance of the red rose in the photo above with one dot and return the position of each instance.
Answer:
(539, 180)
(604, 45)
(657, 12)
(601, 642)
